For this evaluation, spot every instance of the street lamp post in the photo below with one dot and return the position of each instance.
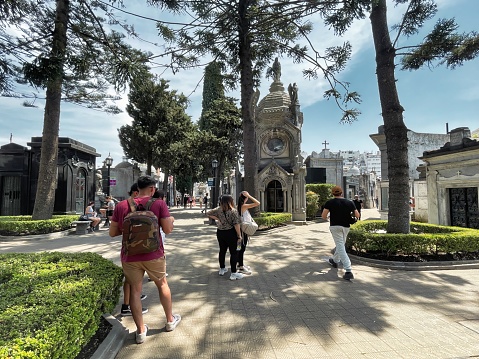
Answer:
(214, 164)
(108, 163)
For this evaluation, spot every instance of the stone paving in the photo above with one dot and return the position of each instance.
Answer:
(294, 305)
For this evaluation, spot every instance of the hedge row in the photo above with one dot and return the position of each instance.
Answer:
(51, 303)
(270, 220)
(424, 239)
(24, 225)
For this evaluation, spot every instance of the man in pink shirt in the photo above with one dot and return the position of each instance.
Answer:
(153, 263)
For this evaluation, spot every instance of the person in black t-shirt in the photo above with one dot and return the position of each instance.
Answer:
(339, 210)
(359, 204)
(205, 202)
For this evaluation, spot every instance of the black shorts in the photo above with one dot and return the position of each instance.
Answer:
(109, 212)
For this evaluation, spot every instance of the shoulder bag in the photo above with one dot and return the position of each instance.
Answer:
(248, 225)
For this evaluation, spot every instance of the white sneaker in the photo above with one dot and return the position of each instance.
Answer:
(140, 338)
(244, 270)
(223, 271)
(236, 276)
(172, 325)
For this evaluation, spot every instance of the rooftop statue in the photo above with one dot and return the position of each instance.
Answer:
(276, 71)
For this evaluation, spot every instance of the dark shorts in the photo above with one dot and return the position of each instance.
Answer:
(109, 212)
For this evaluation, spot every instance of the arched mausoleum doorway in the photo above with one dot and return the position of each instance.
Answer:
(274, 197)
(80, 191)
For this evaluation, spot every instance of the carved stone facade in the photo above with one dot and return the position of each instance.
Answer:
(281, 173)
(19, 170)
(417, 144)
(450, 176)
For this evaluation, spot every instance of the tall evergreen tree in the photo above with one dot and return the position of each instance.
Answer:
(219, 125)
(213, 89)
(160, 123)
(243, 37)
(442, 45)
(64, 48)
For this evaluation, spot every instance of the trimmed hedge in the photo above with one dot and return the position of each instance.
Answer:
(323, 190)
(269, 220)
(51, 303)
(312, 205)
(24, 225)
(424, 239)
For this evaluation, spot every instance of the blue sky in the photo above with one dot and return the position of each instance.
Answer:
(431, 97)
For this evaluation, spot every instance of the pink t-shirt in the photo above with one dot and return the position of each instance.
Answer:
(159, 208)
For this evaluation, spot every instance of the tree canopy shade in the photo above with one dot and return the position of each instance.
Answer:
(63, 47)
(243, 37)
(442, 46)
(160, 125)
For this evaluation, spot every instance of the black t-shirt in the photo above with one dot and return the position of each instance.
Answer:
(205, 200)
(340, 211)
(358, 203)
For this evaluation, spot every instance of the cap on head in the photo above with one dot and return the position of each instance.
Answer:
(134, 188)
(337, 191)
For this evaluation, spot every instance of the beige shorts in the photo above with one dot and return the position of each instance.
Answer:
(134, 271)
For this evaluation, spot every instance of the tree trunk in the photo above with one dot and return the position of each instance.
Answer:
(394, 127)
(246, 75)
(47, 176)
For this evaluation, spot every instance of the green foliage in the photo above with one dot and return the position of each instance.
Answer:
(160, 126)
(270, 220)
(444, 45)
(51, 303)
(213, 89)
(323, 190)
(424, 239)
(23, 225)
(311, 204)
(228, 31)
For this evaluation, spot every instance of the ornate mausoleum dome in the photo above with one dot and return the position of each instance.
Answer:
(277, 99)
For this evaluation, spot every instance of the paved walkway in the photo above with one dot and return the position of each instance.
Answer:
(294, 305)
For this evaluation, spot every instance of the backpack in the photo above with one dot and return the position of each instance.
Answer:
(140, 229)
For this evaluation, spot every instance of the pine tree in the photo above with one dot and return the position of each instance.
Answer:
(243, 37)
(76, 62)
(442, 45)
(160, 124)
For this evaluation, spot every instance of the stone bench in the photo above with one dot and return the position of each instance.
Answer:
(81, 227)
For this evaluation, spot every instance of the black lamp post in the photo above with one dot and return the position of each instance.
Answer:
(214, 164)
(108, 163)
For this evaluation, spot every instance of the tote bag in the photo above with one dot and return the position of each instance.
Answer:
(248, 225)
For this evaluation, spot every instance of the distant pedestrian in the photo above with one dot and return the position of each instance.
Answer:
(228, 234)
(153, 263)
(205, 203)
(110, 207)
(243, 209)
(339, 210)
(358, 204)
